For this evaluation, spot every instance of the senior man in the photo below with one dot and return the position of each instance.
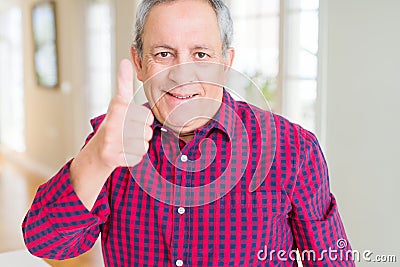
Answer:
(131, 181)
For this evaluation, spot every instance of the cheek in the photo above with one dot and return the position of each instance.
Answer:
(150, 67)
(214, 92)
(148, 70)
(158, 100)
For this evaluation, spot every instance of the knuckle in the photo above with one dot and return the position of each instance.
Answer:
(143, 147)
(146, 147)
(149, 134)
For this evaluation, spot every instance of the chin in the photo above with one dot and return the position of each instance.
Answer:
(180, 124)
(184, 125)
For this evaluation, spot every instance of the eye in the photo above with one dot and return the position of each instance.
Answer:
(201, 55)
(163, 54)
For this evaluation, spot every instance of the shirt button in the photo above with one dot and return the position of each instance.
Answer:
(179, 263)
(163, 130)
(181, 210)
(184, 158)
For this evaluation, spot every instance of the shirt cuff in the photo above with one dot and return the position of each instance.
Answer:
(64, 209)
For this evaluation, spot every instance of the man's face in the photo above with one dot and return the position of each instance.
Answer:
(175, 33)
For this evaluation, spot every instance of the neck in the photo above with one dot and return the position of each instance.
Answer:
(187, 137)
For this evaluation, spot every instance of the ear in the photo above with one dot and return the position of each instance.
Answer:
(137, 62)
(229, 57)
(228, 61)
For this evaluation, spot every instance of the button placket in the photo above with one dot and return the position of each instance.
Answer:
(182, 237)
(184, 158)
(179, 214)
(181, 210)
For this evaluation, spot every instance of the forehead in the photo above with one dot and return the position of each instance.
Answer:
(170, 5)
(182, 20)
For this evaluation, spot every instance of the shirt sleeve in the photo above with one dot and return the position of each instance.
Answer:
(317, 228)
(58, 225)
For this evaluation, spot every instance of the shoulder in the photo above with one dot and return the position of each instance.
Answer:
(285, 129)
(291, 143)
(294, 132)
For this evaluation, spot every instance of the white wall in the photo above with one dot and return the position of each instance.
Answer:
(363, 125)
(56, 124)
(50, 113)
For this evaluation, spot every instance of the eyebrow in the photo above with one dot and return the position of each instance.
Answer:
(162, 47)
(203, 47)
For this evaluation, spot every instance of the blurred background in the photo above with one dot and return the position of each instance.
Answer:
(331, 66)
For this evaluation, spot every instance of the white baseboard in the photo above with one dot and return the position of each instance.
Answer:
(28, 163)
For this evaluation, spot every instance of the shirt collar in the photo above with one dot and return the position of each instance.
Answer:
(224, 119)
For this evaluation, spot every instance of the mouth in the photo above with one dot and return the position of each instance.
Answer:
(181, 97)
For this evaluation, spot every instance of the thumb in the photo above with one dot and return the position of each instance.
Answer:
(125, 80)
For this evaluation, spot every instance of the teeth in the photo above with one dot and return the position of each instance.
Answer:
(182, 97)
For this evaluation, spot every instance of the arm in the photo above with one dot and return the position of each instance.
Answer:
(315, 219)
(67, 211)
(106, 150)
(58, 225)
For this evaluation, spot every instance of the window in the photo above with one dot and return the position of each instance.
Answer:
(11, 80)
(277, 45)
(300, 72)
(99, 56)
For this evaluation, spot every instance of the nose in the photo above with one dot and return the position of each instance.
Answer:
(183, 72)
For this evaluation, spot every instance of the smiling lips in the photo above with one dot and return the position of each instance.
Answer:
(182, 97)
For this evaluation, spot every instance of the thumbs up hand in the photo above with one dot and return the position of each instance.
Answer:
(114, 145)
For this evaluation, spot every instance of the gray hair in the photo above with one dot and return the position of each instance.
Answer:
(222, 11)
